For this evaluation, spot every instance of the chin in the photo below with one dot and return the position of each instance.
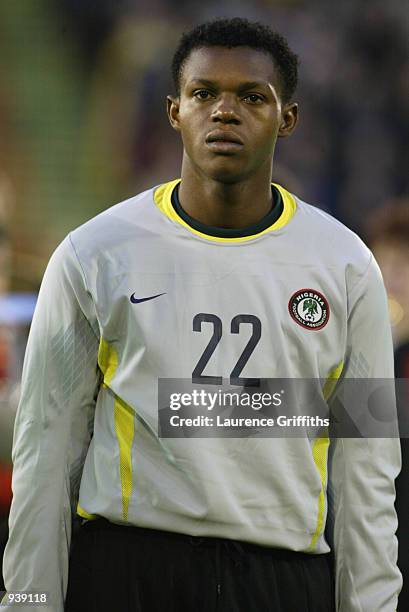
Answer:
(226, 175)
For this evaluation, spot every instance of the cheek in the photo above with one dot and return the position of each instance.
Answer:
(265, 129)
(266, 139)
(191, 125)
(188, 138)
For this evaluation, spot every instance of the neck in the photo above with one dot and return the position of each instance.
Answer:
(226, 205)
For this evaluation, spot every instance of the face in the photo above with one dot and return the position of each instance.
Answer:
(230, 112)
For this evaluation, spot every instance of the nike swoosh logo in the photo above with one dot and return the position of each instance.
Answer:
(136, 300)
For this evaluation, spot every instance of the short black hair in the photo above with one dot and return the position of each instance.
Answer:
(239, 32)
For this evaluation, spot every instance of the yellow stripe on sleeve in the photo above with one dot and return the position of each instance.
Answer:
(320, 456)
(107, 360)
(124, 422)
(125, 431)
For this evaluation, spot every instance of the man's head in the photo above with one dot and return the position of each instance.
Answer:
(234, 82)
(237, 32)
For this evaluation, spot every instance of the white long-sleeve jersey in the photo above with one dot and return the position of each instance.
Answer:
(86, 433)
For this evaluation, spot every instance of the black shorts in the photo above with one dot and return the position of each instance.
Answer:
(128, 569)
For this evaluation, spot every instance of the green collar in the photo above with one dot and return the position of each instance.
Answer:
(221, 232)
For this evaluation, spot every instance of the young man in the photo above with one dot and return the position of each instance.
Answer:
(172, 284)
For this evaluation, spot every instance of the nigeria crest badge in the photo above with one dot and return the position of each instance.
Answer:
(309, 308)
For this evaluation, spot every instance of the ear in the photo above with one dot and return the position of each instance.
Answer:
(173, 105)
(289, 119)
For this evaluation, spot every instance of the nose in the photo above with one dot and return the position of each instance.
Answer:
(225, 111)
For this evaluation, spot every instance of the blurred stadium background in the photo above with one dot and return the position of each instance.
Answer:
(83, 125)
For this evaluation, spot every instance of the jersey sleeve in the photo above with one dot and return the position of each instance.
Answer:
(362, 471)
(52, 432)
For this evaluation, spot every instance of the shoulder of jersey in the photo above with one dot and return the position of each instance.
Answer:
(310, 229)
(118, 221)
(329, 236)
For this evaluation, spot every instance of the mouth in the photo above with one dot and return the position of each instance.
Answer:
(224, 141)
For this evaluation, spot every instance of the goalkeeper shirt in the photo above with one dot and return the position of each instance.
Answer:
(117, 311)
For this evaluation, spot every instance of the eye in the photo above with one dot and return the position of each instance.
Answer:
(202, 94)
(254, 99)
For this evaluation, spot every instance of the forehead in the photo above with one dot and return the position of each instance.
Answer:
(221, 64)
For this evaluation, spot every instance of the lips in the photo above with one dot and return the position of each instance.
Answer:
(224, 142)
(223, 136)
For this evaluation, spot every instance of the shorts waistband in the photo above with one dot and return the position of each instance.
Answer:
(238, 547)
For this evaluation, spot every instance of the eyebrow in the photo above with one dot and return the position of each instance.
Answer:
(241, 87)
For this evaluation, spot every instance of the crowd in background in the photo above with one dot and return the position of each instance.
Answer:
(83, 122)
(83, 125)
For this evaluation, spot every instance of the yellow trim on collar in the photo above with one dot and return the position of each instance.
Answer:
(162, 197)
